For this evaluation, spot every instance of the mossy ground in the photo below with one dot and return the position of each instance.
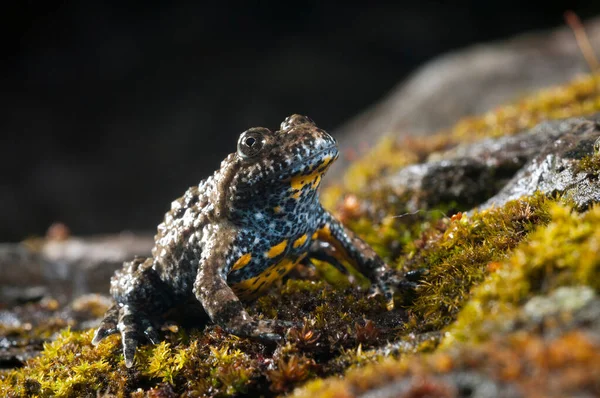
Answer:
(481, 271)
(503, 332)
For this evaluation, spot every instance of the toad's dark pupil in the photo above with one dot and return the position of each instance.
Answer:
(250, 141)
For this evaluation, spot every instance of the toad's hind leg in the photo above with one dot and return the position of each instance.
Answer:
(140, 295)
(223, 306)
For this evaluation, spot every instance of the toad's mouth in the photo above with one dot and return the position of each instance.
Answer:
(317, 162)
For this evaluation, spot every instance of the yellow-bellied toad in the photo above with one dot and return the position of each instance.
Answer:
(233, 235)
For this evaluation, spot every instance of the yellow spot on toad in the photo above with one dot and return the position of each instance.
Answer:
(242, 262)
(324, 233)
(300, 241)
(250, 288)
(277, 249)
(298, 182)
(277, 209)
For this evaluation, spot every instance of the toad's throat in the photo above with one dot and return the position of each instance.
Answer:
(313, 178)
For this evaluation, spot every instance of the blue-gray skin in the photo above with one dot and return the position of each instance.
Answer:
(238, 231)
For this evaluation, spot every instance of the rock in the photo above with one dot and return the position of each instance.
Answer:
(557, 169)
(516, 312)
(545, 159)
(564, 299)
(468, 82)
(65, 268)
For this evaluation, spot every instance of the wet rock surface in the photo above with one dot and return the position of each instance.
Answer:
(491, 172)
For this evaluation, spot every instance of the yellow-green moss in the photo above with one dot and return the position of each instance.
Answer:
(562, 253)
(566, 365)
(459, 257)
(69, 367)
(590, 165)
(579, 97)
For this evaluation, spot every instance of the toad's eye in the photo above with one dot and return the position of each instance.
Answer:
(251, 143)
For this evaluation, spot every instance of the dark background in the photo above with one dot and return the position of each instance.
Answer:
(110, 110)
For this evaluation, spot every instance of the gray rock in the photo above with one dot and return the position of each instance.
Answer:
(67, 268)
(555, 171)
(494, 171)
(468, 82)
(564, 299)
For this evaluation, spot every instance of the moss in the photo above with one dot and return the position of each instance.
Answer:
(458, 257)
(211, 361)
(69, 367)
(589, 165)
(388, 154)
(515, 364)
(579, 97)
(563, 253)
(491, 337)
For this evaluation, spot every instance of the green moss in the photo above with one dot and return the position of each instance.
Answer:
(579, 97)
(562, 253)
(459, 257)
(566, 365)
(387, 154)
(491, 337)
(589, 165)
(211, 361)
(69, 367)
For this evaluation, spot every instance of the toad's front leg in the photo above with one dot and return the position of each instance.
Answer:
(141, 296)
(349, 247)
(219, 300)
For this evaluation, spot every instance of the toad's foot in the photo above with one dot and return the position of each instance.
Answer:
(390, 283)
(350, 248)
(228, 313)
(132, 324)
(385, 280)
(141, 296)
